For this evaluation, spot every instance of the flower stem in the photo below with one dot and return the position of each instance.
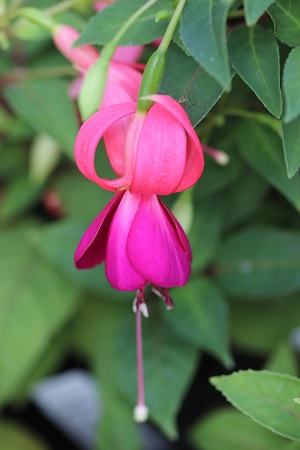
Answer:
(141, 410)
(156, 64)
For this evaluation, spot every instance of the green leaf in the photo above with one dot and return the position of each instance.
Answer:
(266, 397)
(260, 262)
(247, 316)
(35, 302)
(15, 437)
(283, 360)
(291, 85)
(228, 429)
(291, 143)
(45, 105)
(169, 365)
(254, 55)
(207, 221)
(243, 197)
(187, 82)
(200, 317)
(262, 149)
(254, 9)
(286, 17)
(203, 32)
(104, 26)
(58, 243)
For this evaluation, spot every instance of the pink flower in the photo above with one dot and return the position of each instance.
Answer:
(140, 241)
(160, 155)
(123, 81)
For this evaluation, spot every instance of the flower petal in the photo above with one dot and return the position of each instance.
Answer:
(89, 136)
(91, 249)
(194, 158)
(160, 154)
(83, 57)
(119, 270)
(154, 247)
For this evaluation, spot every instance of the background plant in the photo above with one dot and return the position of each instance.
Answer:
(234, 66)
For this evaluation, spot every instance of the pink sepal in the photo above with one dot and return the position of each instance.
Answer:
(91, 249)
(88, 138)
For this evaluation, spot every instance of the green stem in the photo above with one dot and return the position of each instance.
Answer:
(92, 90)
(238, 14)
(156, 64)
(64, 6)
(131, 21)
(23, 74)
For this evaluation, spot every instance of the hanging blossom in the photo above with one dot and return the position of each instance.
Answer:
(123, 81)
(160, 154)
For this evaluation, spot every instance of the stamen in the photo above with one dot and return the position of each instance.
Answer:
(140, 413)
(164, 295)
(139, 303)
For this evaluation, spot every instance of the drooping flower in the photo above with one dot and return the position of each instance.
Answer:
(140, 241)
(160, 155)
(123, 81)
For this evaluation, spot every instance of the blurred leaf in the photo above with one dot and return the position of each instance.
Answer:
(253, 333)
(205, 22)
(200, 317)
(283, 360)
(104, 26)
(291, 85)
(15, 437)
(45, 105)
(169, 365)
(72, 185)
(243, 197)
(44, 156)
(58, 243)
(254, 55)
(228, 429)
(35, 302)
(286, 17)
(291, 143)
(262, 149)
(187, 82)
(20, 194)
(260, 262)
(216, 177)
(204, 235)
(254, 9)
(266, 397)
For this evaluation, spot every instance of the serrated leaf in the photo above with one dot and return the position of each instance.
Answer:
(266, 397)
(187, 82)
(228, 429)
(200, 317)
(262, 149)
(291, 85)
(286, 17)
(35, 302)
(291, 144)
(45, 105)
(104, 26)
(203, 32)
(260, 262)
(254, 9)
(254, 55)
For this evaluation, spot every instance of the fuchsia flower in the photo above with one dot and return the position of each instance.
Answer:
(160, 155)
(141, 242)
(123, 81)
